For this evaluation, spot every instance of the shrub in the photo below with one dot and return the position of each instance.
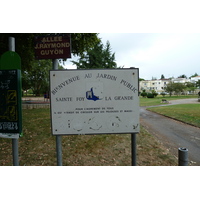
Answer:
(143, 94)
(163, 94)
(155, 94)
(150, 95)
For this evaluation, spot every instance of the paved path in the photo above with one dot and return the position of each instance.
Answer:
(184, 101)
(173, 134)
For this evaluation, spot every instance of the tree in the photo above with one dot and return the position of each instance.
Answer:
(144, 93)
(169, 88)
(37, 78)
(24, 43)
(198, 84)
(178, 88)
(174, 87)
(83, 42)
(182, 76)
(162, 77)
(24, 46)
(155, 94)
(190, 87)
(163, 94)
(97, 57)
(194, 75)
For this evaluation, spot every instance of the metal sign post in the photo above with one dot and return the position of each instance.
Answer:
(133, 149)
(58, 137)
(15, 152)
(15, 149)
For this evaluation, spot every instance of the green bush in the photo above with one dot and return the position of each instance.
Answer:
(163, 94)
(150, 95)
(143, 94)
(155, 94)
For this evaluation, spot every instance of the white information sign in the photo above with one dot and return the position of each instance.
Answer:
(94, 101)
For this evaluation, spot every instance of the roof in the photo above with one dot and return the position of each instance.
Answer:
(196, 77)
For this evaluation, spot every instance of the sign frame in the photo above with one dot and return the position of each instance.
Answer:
(94, 81)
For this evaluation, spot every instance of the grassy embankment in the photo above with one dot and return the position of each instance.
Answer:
(157, 100)
(188, 113)
(37, 147)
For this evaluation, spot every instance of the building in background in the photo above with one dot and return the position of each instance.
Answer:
(195, 79)
(180, 80)
(157, 85)
(160, 84)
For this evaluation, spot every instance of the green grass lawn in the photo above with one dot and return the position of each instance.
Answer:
(157, 100)
(189, 113)
(38, 147)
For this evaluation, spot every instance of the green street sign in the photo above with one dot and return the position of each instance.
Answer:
(10, 102)
(10, 95)
(10, 60)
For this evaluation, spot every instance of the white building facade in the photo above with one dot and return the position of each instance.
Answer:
(180, 80)
(157, 85)
(160, 85)
(195, 79)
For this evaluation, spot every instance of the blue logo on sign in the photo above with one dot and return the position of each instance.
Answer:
(90, 95)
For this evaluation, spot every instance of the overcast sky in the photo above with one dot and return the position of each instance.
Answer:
(155, 53)
(138, 31)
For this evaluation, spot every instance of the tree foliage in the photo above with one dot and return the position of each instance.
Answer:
(150, 95)
(37, 78)
(182, 76)
(97, 57)
(24, 45)
(83, 42)
(194, 75)
(177, 88)
(198, 84)
(162, 77)
(35, 73)
(190, 87)
(144, 93)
